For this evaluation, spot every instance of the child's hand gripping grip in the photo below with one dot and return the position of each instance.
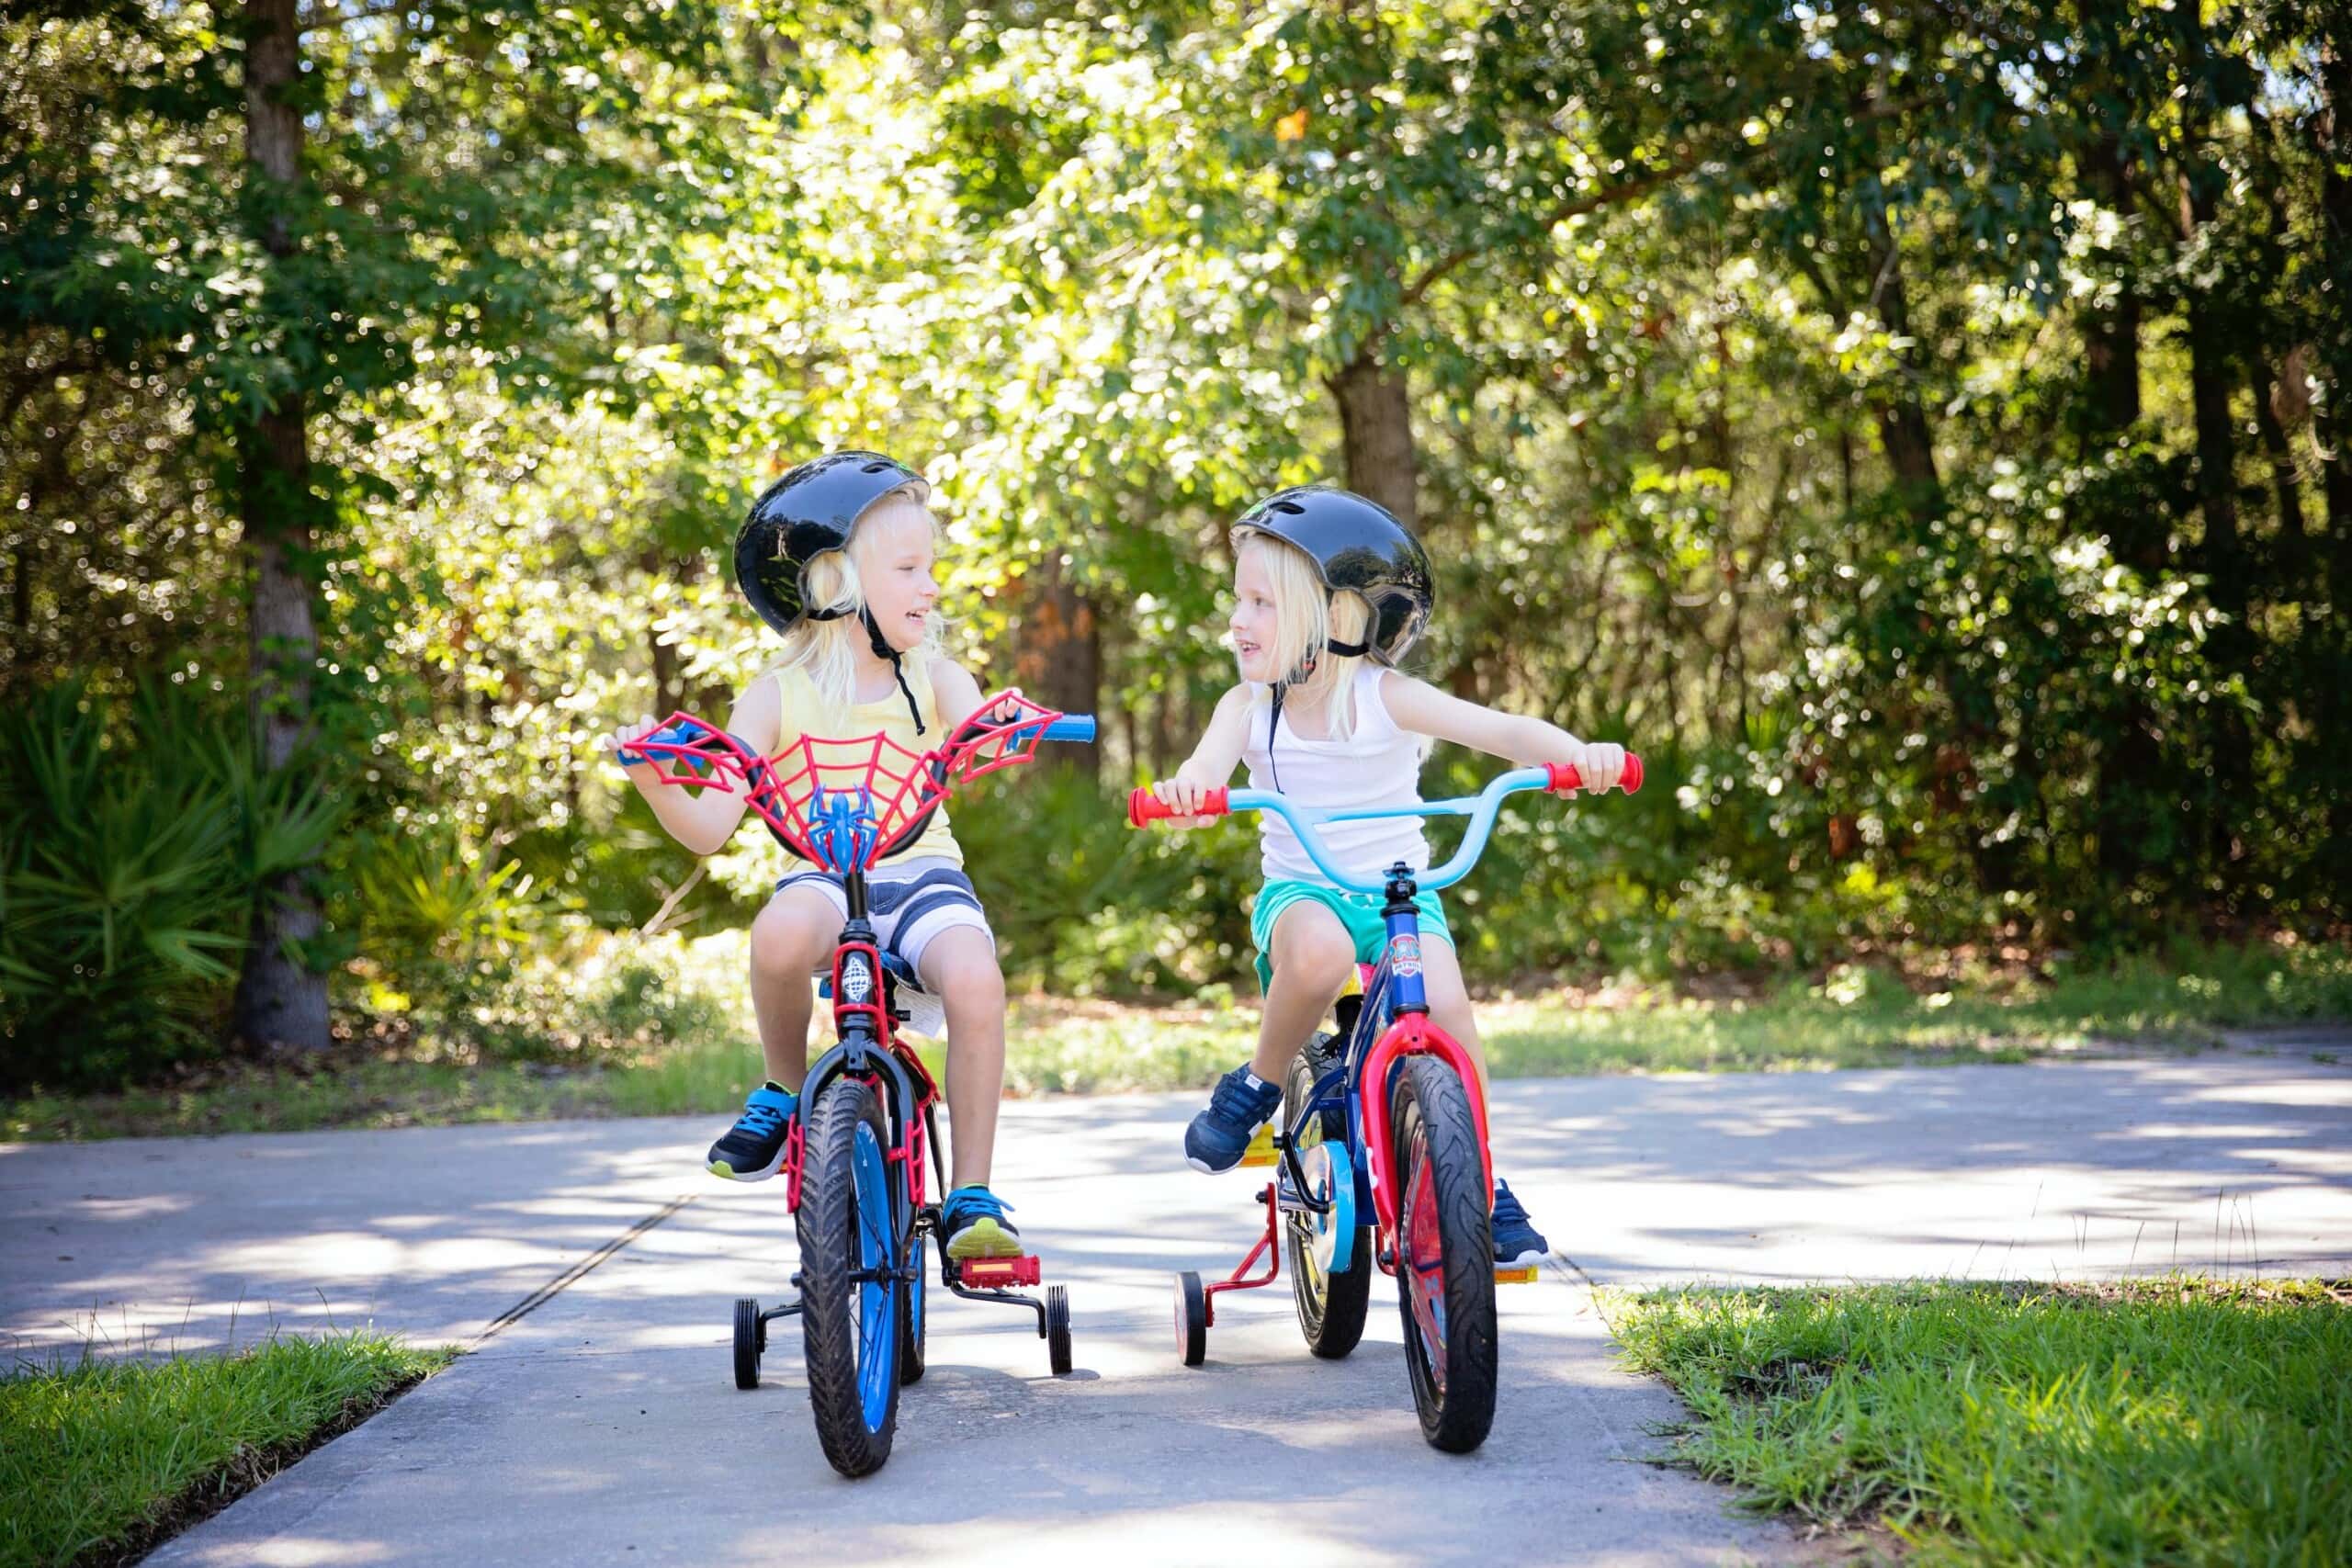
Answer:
(684, 734)
(1145, 807)
(1564, 776)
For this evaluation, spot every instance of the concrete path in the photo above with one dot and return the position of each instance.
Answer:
(601, 1424)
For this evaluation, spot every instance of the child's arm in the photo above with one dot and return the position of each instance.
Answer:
(1422, 707)
(703, 820)
(957, 692)
(1212, 761)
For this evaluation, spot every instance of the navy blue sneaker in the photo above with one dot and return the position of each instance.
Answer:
(1220, 1135)
(974, 1220)
(1518, 1244)
(752, 1150)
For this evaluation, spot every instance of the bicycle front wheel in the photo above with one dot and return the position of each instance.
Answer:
(1445, 1256)
(850, 1291)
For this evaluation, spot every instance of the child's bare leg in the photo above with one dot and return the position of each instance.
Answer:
(959, 966)
(789, 937)
(1449, 1001)
(1312, 957)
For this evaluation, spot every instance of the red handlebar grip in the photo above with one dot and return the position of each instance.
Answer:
(1565, 777)
(1145, 807)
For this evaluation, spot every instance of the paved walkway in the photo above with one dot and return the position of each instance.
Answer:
(601, 1424)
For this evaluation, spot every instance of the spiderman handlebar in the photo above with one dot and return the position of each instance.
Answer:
(1145, 807)
(888, 790)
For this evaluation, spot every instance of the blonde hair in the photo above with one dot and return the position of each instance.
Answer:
(1307, 618)
(826, 651)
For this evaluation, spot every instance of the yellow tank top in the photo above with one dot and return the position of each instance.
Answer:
(804, 713)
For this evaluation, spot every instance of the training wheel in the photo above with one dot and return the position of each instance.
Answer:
(1192, 1318)
(750, 1338)
(1057, 1328)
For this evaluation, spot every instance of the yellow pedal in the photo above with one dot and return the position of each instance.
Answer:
(1261, 1151)
(1525, 1276)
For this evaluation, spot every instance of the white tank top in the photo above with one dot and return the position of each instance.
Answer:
(1378, 765)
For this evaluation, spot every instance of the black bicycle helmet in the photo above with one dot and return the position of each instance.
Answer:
(1357, 545)
(801, 516)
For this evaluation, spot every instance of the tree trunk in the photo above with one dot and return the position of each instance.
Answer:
(2213, 375)
(2291, 564)
(2333, 428)
(281, 1000)
(2129, 811)
(1376, 437)
(2111, 334)
(1060, 661)
(1903, 426)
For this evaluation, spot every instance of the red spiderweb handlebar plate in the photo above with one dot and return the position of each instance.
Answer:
(900, 786)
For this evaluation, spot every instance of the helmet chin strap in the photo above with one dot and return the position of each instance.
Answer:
(882, 650)
(1305, 668)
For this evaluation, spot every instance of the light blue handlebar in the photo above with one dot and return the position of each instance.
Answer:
(1480, 809)
(1072, 727)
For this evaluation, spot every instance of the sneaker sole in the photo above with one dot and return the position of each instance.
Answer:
(726, 1173)
(1527, 1260)
(984, 1239)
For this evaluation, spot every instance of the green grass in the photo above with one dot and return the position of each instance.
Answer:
(1855, 1016)
(103, 1459)
(1862, 1018)
(2163, 1421)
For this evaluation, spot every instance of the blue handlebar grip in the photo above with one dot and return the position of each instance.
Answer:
(668, 735)
(1072, 727)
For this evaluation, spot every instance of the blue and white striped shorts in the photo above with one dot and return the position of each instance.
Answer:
(908, 902)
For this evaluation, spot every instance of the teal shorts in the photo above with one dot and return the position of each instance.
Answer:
(1359, 916)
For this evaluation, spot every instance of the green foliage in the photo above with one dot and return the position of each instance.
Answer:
(92, 1455)
(134, 837)
(1837, 406)
(2173, 1420)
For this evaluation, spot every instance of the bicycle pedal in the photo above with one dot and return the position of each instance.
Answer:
(991, 1272)
(1261, 1151)
(1522, 1275)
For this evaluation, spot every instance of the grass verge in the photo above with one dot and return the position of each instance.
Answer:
(101, 1461)
(1854, 1017)
(2179, 1420)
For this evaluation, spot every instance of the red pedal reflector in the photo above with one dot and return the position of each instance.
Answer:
(1002, 1270)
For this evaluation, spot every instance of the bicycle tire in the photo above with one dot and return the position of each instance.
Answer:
(750, 1338)
(910, 1317)
(849, 1327)
(1445, 1256)
(1331, 1306)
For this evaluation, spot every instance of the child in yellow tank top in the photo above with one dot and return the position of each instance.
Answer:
(838, 556)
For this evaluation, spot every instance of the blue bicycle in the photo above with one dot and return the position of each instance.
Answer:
(856, 1153)
(1383, 1150)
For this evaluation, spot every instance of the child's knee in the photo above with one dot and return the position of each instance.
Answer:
(788, 937)
(966, 972)
(1317, 956)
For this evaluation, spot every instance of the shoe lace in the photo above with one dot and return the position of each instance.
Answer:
(1236, 1101)
(760, 1117)
(974, 1204)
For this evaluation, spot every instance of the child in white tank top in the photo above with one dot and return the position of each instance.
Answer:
(1329, 591)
